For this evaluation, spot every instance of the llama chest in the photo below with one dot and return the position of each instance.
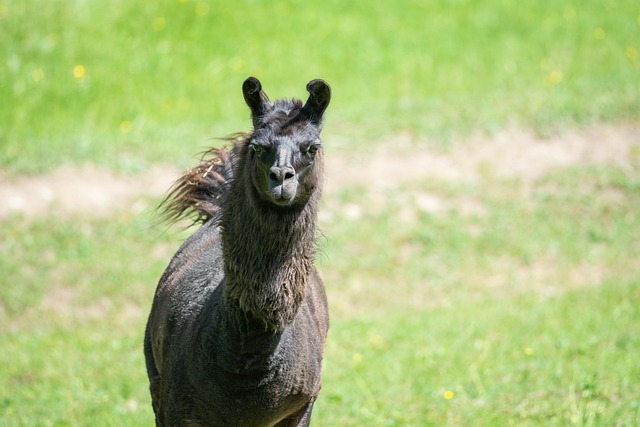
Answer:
(264, 397)
(254, 381)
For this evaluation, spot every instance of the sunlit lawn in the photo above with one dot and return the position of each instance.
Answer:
(521, 312)
(128, 83)
(518, 315)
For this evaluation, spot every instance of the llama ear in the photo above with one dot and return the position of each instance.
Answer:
(319, 97)
(256, 99)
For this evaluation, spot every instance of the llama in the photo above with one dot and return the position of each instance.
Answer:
(239, 320)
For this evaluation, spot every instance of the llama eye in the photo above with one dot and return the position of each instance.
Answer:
(313, 149)
(258, 149)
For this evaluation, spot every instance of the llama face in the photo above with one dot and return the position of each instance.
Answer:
(284, 164)
(286, 142)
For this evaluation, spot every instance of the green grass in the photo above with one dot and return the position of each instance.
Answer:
(516, 300)
(526, 310)
(525, 314)
(151, 77)
(534, 362)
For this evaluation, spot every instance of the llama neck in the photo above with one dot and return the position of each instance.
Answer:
(268, 255)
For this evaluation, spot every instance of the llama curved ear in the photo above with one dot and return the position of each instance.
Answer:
(319, 97)
(256, 99)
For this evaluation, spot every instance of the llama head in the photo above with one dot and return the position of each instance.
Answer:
(285, 148)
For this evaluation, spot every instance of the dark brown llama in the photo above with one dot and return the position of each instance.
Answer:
(237, 329)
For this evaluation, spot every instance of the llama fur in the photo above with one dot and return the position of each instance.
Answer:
(237, 329)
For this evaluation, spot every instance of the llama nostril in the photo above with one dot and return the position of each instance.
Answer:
(281, 174)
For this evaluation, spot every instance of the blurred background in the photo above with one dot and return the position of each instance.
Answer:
(481, 219)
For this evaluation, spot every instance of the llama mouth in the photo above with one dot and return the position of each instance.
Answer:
(283, 195)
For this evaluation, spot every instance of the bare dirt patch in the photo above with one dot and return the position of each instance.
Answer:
(512, 153)
(86, 189)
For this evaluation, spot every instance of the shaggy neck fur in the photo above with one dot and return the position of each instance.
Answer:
(268, 250)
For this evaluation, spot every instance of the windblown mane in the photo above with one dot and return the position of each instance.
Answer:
(200, 192)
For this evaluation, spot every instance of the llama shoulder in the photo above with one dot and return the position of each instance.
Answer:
(193, 273)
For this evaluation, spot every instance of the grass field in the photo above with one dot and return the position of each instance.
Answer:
(481, 224)
(128, 83)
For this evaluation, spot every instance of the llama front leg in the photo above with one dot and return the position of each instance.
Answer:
(306, 417)
(155, 400)
(301, 418)
(154, 377)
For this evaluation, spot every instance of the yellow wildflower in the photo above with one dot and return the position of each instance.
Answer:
(598, 33)
(79, 71)
(159, 23)
(37, 74)
(126, 126)
(376, 340)
(553, 78)
(448, 395)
